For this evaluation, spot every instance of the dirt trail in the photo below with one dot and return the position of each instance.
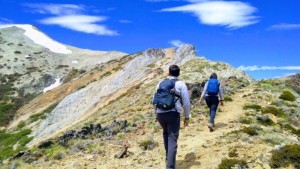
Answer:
(196, 142)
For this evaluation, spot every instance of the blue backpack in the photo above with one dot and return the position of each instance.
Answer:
(164, 98)
(213, 87)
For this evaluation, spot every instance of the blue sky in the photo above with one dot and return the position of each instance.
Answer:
(261, 37)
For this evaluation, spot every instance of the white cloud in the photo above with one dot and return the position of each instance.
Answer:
(176, 43)
(56, 9)
(255, 68)
(81, 23)
(72, 17)
(284, 26)
(232, 14)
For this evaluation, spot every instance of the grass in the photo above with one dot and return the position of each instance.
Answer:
(147, 144)
(21, 124)
(43, 114)
(273, 110)
(290, 128)
(245, 120)
(228, 99)
(229, 163)
(285, 156)
(6, 113)
(233, 153)
(265, 120)
(8, 140)
(56, 152)
(252, 107)
(249, 130)
(287, 95)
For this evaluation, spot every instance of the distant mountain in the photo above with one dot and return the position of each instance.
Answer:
(293, 81)
(32, 63)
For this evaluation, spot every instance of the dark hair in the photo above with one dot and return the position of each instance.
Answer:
(174, 70)
(213, 76)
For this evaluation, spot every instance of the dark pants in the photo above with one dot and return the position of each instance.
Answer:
(170, 122)
(212, 102)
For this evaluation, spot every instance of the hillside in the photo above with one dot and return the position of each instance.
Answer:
(32, 63)
(103, 118)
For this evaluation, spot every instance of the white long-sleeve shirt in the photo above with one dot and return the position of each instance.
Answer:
(180, 89)
(204, 93)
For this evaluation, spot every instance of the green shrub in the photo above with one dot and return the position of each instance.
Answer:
(273, 110)
(107, 73)
(274, 138)
(56, 152)
(291, 128)
(245, 120)
(43, 114)
(277, 102)
(250, 130)
(233, 153)
(36, 117)
(8, 140)
(265, 120)
(6, 113)
(228, 99)
(287, 95)
(252, 106)
(21, 125)
(17, 52)
(147, 144)
(229, 163)
(289, 154)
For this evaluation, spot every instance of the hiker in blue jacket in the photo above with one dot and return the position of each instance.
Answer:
(167, 106)
(213, 93)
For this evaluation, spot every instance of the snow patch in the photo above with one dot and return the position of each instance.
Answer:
(40, 38)
(54, 85)
(75, 61)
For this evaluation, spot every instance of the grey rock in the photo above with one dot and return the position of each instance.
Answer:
(45, 144)
(122, 153)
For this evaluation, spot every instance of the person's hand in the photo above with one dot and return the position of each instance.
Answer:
(186, 122)
(222, 102)
(200, 102)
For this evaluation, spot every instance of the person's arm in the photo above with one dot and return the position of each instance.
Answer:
(203, 92)
(186, 104)
(221, 94)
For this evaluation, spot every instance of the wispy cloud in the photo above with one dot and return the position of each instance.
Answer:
(255, 68)
(232, 14)
(124, 21)
(5, 21)
(72, 17)
(176, 43)
(156, 0)
(81, 23)
(284, 26)
(285, 75)
(55, 9)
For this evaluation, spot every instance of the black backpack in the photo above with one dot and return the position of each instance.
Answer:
(164, 98)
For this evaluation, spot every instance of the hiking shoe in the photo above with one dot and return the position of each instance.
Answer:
(211, 128)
